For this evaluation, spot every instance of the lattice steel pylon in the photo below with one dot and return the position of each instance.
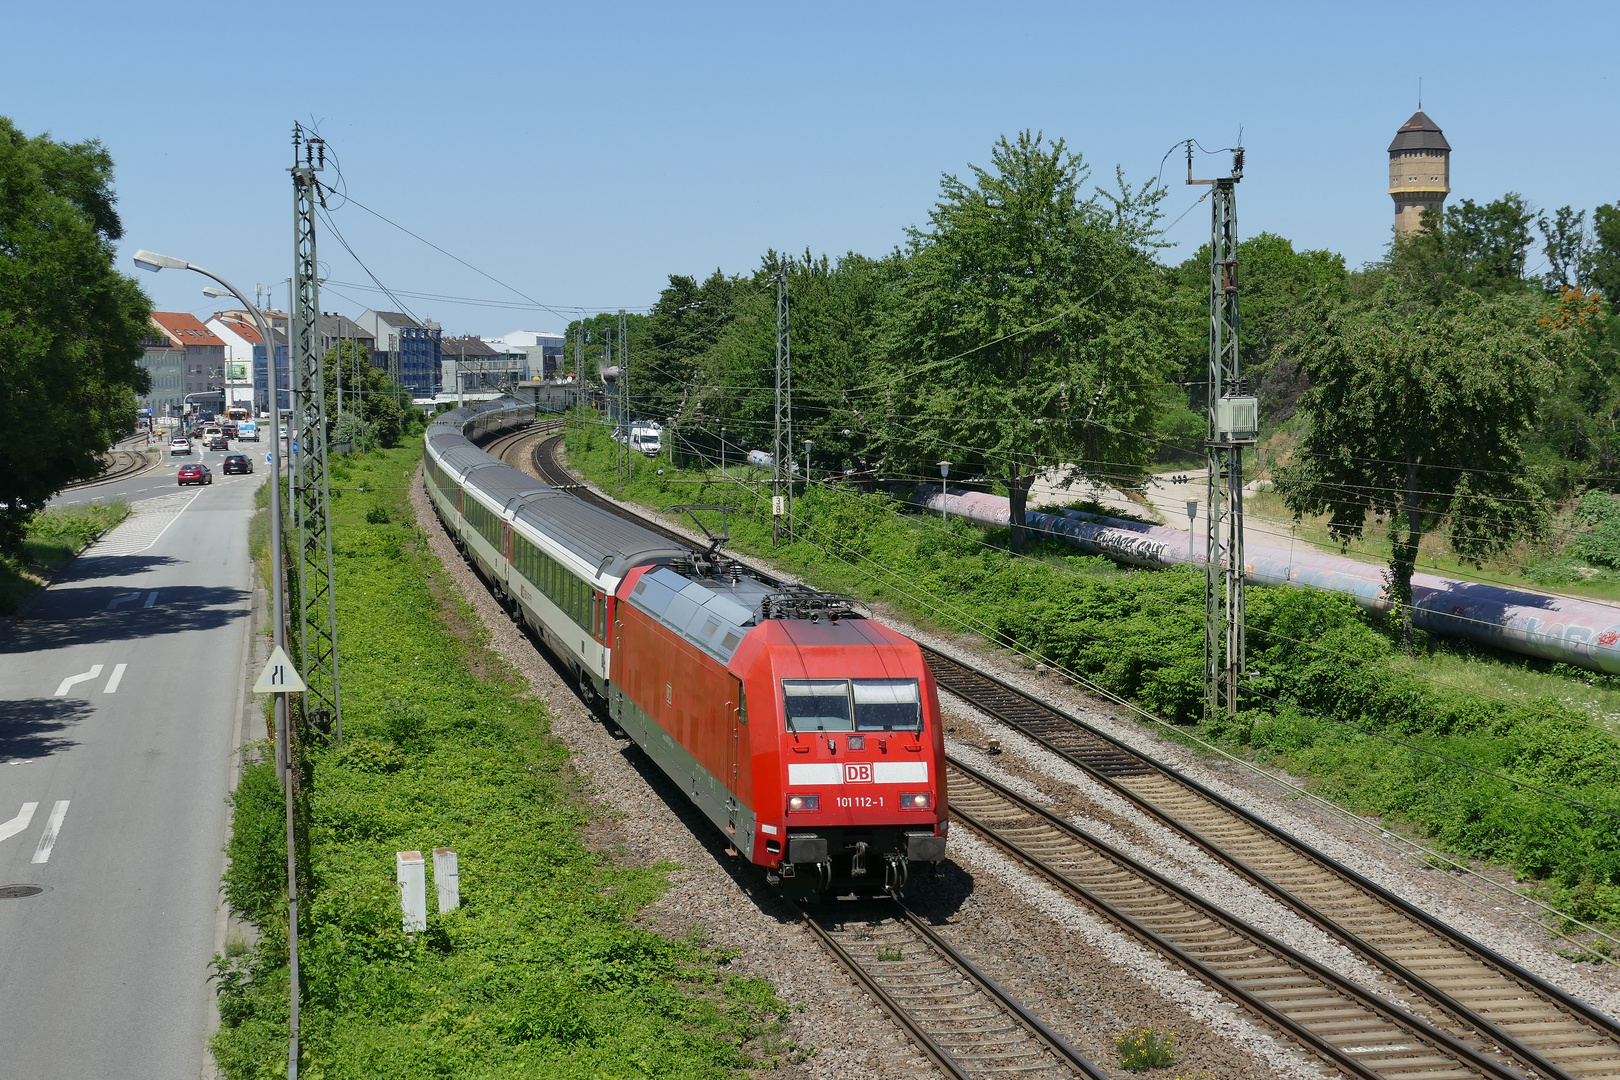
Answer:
(782, 451)
(316, 622)
(1232, 422)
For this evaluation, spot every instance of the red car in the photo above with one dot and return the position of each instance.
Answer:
(195, 474)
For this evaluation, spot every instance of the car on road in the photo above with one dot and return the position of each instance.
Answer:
(178, 446)
(219, 442)
(195, 474)
(236, 463)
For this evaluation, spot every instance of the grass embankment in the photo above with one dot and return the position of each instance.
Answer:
(55, 535)
(1331, 691)
(543, 972)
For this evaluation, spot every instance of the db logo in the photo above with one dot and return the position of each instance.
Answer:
(858, 772)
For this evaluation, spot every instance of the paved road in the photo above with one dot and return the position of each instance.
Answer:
(161, 480)
(119, 690)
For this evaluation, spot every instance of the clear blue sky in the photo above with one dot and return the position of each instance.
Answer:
(583, 152)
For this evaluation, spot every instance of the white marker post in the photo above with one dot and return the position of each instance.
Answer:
(411, 872)
(446, 879)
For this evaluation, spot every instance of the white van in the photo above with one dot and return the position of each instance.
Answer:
(648, 438)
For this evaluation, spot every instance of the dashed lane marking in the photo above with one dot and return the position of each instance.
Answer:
(123, 599)
(117, 677)
(11, 828)
(53, 825)
(68, 683)
(151, 598)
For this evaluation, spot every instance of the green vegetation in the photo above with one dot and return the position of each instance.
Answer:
(70, 325)
(50, 538)
(544, 970)
(1144, 1048)
(1333, 697)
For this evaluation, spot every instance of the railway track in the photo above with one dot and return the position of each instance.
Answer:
(1350, 1028)
(1474, 989)
(953, 1012)
(1479, 1014)
(122, 461)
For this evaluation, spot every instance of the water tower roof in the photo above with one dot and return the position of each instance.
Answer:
(1419, 133)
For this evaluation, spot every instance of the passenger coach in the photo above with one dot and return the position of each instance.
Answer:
(809, 735)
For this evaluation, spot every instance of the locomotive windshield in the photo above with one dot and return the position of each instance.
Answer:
(852, 704)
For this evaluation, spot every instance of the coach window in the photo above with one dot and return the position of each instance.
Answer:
(887, 705)
(817, 705)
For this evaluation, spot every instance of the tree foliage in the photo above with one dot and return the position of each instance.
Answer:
(70, 325)
(1029, 329)
(376, 412)
(1420, 414)
(1276, 283)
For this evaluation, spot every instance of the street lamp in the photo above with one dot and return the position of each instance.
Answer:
(944, 472)
(150, 260)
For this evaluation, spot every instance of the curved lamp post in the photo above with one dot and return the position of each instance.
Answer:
(150, 260)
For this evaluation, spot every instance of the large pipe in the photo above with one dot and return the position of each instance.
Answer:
(1579, 632)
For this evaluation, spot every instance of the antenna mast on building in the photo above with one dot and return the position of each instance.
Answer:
(782, 452)
(317, 607)
(1233, 419)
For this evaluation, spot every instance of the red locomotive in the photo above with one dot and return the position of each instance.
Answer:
(810, 735)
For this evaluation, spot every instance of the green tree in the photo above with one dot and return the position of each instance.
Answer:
(1483, 248)
(70, 325)
(1604, 257)
(1276, 281)
(1030, 330)
(1419, 415)
(682, 327)
(837, 314)
(375, 411)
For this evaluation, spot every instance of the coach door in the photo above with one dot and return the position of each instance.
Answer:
(506, 541)
(736, 747)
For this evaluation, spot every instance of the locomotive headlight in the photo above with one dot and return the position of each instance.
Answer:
(918, 801)
(804, 802)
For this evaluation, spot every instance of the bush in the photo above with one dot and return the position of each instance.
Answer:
(1146, 1048)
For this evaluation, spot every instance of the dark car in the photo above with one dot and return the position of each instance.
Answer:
(236, 463)
(219, 442)
(228, 430)
(195, 474)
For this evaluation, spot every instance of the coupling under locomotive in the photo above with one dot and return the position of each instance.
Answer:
(809, 735)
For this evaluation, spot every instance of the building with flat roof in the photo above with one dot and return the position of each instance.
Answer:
(405, 348)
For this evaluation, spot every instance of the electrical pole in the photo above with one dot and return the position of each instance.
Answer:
(624, 391)
(782, 487)
(317, 622)
(1233, 419)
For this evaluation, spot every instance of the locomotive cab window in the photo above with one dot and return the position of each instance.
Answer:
(852, 704)
(817, 705)
(887, 705)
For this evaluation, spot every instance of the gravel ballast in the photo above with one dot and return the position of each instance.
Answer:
(1091, 984)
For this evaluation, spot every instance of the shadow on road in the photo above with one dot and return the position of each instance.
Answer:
(81, 616)
(37, 727)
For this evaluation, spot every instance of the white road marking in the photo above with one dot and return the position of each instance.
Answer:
(117, 677)
(67, 683)
(151, 598)
(145, 525)
(53, 825)
(11, 828)
(124, 599)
